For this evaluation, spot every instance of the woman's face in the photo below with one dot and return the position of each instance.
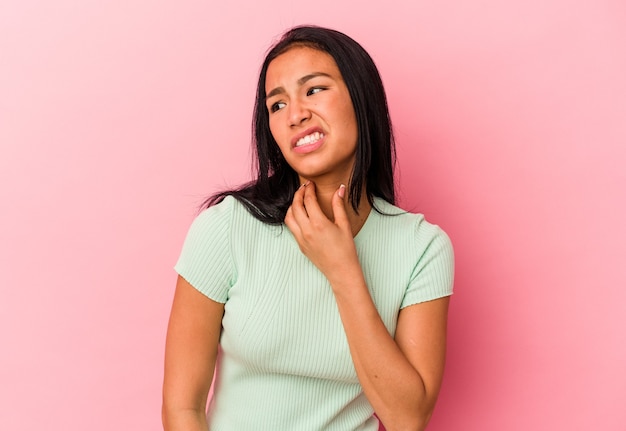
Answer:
(311, 115)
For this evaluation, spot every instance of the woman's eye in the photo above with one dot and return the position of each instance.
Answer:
(276, 106)
(314, 90)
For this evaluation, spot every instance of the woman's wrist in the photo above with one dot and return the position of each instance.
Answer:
(348, 281)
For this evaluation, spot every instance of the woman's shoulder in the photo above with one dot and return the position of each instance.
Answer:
(413, 226)
(218, 216)
(233, 215)
(394, 216)
(227, 206)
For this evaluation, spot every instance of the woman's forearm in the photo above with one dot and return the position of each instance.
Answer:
(391, 383)
(184, 420)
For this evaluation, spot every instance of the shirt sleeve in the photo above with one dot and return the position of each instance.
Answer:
(206, 259)
(433, 274)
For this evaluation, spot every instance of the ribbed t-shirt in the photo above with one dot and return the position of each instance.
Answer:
(283, 361)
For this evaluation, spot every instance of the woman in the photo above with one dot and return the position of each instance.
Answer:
(319, 301)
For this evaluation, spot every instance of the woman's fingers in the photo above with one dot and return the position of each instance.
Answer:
(328, 244)
(297, 206)
(292, 224)
(311, 204)
(305, 208)
(339, 209)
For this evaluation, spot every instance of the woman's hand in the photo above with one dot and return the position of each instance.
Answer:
(329, 244)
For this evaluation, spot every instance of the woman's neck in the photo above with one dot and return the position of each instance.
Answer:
(325, 193)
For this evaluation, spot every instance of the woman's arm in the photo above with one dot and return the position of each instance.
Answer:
(190, 353)
(401, 378)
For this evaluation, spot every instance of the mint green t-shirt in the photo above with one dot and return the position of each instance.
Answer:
(284, 362)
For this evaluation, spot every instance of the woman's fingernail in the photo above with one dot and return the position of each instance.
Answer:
(342, 191)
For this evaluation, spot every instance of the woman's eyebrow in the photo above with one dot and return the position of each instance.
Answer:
(305, 78)
(301, 81)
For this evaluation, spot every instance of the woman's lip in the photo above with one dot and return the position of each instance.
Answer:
(307, 132)
(307, 148)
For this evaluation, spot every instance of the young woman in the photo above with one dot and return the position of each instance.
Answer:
(311, 297)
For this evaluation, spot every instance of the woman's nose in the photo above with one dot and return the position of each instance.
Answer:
(298, 113)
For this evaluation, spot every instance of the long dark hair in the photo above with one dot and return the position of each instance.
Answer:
(268, 196)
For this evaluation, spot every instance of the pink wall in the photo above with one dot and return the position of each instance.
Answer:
(116, 118)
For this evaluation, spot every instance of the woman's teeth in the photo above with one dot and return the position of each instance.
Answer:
(309, 139)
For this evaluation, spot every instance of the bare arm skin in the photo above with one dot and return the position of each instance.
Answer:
(401, 377)
(190, 354)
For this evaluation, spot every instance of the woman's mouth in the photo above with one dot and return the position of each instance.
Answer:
(309, 139)
(309, 143)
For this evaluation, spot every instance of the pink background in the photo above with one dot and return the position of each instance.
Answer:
(117, 118)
